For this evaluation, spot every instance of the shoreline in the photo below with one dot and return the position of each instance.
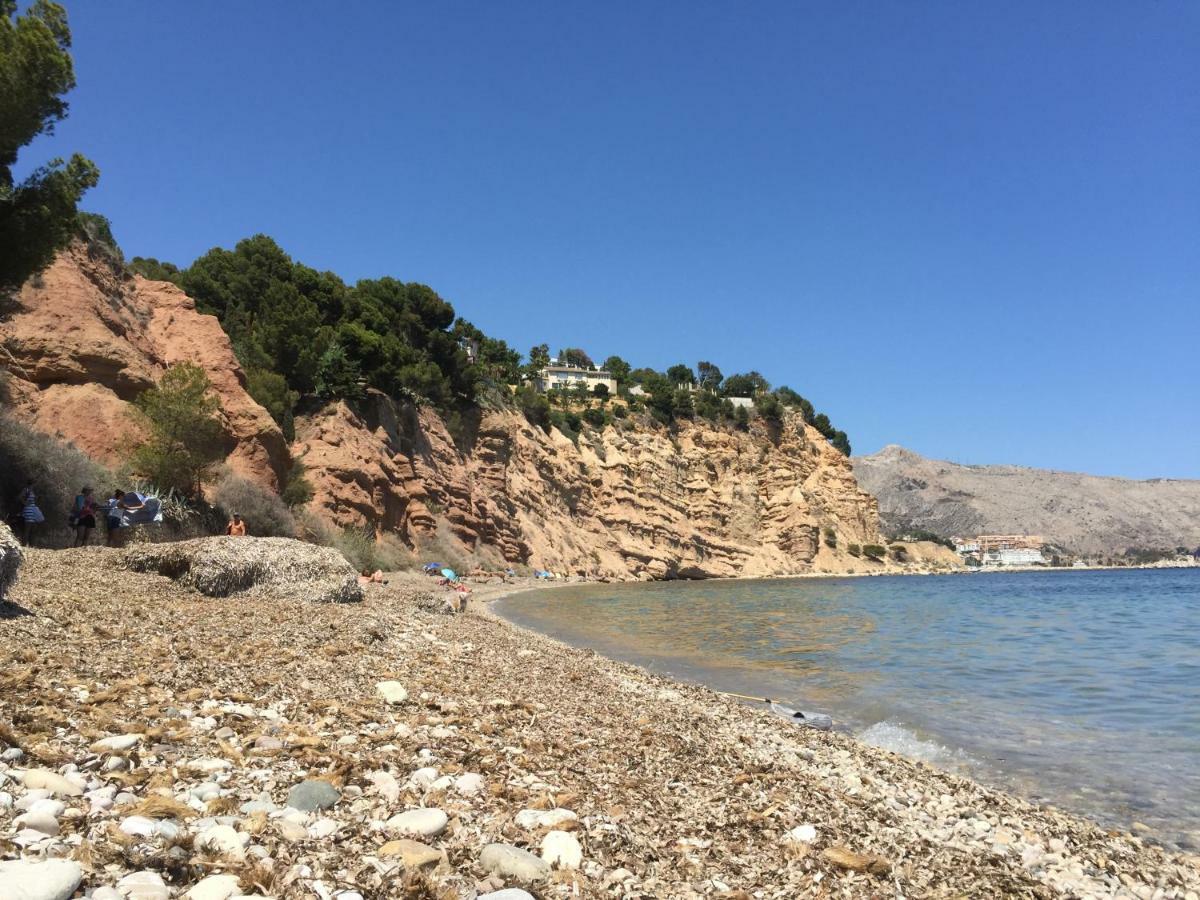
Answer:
(635, 784)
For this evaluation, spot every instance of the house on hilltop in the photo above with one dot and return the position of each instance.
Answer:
(558, 376)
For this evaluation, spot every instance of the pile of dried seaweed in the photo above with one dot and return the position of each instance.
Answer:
(380, 750)
(221, 566)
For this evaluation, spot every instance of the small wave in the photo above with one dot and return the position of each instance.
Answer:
(898, 739)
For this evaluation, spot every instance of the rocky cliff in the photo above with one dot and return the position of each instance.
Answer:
(635, 500)
(85, 340)
(1084, 513)
(632, 500)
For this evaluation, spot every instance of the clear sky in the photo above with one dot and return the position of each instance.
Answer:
(972, 229)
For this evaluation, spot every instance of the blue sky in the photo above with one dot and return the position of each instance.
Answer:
(972, 229)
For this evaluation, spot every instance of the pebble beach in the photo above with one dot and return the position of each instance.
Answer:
(158, 743)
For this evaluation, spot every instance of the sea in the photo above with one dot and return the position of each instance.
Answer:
(1080, 689)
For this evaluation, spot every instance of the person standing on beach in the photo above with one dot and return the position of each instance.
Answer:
(112, 518)
(83, 516)
(236, 527)
(31, 513)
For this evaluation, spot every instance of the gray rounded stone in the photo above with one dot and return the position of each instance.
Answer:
(312, 795)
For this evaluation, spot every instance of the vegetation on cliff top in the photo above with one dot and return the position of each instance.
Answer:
(37, 215)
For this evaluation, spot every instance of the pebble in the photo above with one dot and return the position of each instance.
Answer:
(313, 794)
(214, 887)
(50, 879)
(421, 822)
(143, 886)
(268, 742)
(386, 785)
(223, 841)
(469, 784)
(544, 818)
(139, 826)
(423, 778)
(802, 834)
(391, 691)
(323, 828)
(38, 821)
(12, 754)
(52, 782)
(291, 831)
(413, 854)
(507, 860)
(118, 743)
(506, 894)
(561, 850)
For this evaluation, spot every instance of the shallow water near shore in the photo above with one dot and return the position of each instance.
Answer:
(1081, 689)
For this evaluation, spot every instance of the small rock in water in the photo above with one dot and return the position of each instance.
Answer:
(50, 879)
(506, 860)
(421, 822)
(391, 691)
(311, 795)
(561, 850)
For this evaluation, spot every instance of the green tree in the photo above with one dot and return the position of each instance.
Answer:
(709, 376)
(338, 376)
(600, 391)
(749, 384)
(496, 361)
(788, 397)
(186, 439)
(37, 215)
(155, 270)
(574, 356)
(841, 442)
(709, 406)
(535, 407)
(539, 358)
(681, 404)
(681, 374)
(769, 407)
(595, 417)
(270, 391)
(618, 369)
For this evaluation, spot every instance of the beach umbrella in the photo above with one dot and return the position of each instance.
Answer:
(449, 573)
(430, 566)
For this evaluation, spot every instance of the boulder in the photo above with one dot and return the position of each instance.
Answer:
(50, 879)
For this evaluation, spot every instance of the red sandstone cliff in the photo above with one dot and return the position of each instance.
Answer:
(85, 341)
(633, 500)
(698, 501)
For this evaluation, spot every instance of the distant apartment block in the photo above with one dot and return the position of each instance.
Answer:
(559, 377)
(1003, 549)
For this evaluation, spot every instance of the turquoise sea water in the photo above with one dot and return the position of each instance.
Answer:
(1081, 689)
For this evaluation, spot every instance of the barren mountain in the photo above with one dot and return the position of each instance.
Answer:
(1085, 513)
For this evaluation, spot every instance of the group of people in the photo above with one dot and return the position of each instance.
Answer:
(85, 512)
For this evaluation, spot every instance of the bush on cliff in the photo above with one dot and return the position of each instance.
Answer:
(264, 512)
(186, 439)
(874, 552)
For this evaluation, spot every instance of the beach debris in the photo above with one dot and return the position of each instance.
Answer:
(844, 858)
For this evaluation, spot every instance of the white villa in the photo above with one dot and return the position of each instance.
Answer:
(556, 376)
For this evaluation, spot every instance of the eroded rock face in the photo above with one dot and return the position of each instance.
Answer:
(648, 503)
(86, 341)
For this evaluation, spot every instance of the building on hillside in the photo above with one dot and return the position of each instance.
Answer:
(742, 402)
(1002, 549)
(561, 377)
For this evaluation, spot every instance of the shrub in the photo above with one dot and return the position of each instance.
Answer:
(854, 550)
(830, 537)
(601, 391)
(535, 407)
(297, 490)
(874, 551)
(185, 435)
(359, 545)
(620, 411)
(900, 554)
(270, 391)
(595, 416)
(58, 471)
(266, 515)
